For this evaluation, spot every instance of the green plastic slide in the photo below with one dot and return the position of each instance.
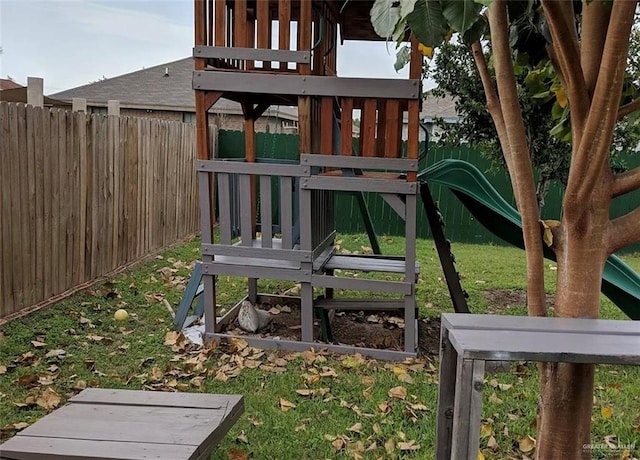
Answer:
(619, 282)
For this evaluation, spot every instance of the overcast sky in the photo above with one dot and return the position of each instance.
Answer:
(72, 42)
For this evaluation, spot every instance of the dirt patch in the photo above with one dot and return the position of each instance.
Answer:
(504, 299)
(379, 330)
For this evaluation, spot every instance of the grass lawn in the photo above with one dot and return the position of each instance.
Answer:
(299, 405)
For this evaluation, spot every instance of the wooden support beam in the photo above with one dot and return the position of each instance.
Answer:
(304, 34)
(304, 124)
(284, 20)
(326, 124)
(346, 126)
(381, 143)
(393, 128)
(200, 22)
(210, 98)
(221, 22)
(264, 29)
(368, 128)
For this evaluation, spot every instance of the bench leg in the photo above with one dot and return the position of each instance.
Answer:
(467, 409)
(446, 394)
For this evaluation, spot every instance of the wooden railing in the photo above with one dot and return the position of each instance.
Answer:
(267, 35)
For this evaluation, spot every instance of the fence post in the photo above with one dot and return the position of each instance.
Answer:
(35, 91)
(113, 108)
(79, 104)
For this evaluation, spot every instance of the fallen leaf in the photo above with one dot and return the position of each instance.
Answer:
(55, 353)
(526, 444)
(384, 407)
(237, 454)
(492, 443)
(338, 444)
(411, 445)
(286, 405)
(48, 400)
(606, 412)
(418, 407)
(38, 344)
(242, 437)
(480, 455)
(3, 369)
(405, 378)
(494, 399)
(356, 428)
(390, 446)
(486, 430)
(398, 392)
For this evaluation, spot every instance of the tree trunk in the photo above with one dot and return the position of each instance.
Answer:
(564, 420)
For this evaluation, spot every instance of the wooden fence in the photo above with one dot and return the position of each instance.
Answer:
(81, 195)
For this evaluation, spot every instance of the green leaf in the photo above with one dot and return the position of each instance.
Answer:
(427, 22)
(461, 14)
(402, 58)
(406, 7)
(384, 17)
(477, 30)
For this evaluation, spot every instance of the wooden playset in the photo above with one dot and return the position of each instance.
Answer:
(283, 52)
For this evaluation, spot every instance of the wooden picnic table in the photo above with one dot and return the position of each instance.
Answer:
(128, 424)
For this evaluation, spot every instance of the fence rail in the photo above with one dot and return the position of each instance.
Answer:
(81, 195)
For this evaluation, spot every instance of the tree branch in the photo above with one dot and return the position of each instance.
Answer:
(524, 186)
(493, 107)
(591, 157)
(624, 231)
(595, 21)
(626, 109)
(560, 18)
(625, 182)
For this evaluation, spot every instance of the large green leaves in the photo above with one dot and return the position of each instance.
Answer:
(428, 23)
(384, 17)
(461, 14)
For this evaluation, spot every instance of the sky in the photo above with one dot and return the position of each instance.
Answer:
(70, 43)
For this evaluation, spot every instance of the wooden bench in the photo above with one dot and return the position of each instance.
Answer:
(468, 341)
(128, 424)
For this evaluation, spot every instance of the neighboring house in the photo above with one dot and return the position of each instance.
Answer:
(11, 91)
(434, 108)
(165, 92)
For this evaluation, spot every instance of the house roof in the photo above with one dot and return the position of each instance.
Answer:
(19, 94)
(8, 84)
(439, 107)
(162, 87)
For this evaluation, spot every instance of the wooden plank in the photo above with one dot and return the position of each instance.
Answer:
(446, 395)
(532, 324)
(48, 448)
(384, 164)
(256, 252)
(266, 218)
(367, 264)
(381, 144)
(475, 408)
(221, 26)
(326, 123)
(30, 212)
(128, 423)
(240, 24)
(547, 346)
(368, 128)
(286, 212)
(200, 20)
(462, 408)
(224, 208)
(304, 34)
(6, 229)
(22, 214)
(265, 169)
(246, 204)
(81, 132)
(284, 28)
(264, 29)
(390, 127)
(392, 287)
(153, 398)
(346, 126)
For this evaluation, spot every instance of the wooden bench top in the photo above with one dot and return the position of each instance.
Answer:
(128, 424)
(546, 346)
(528, 323)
